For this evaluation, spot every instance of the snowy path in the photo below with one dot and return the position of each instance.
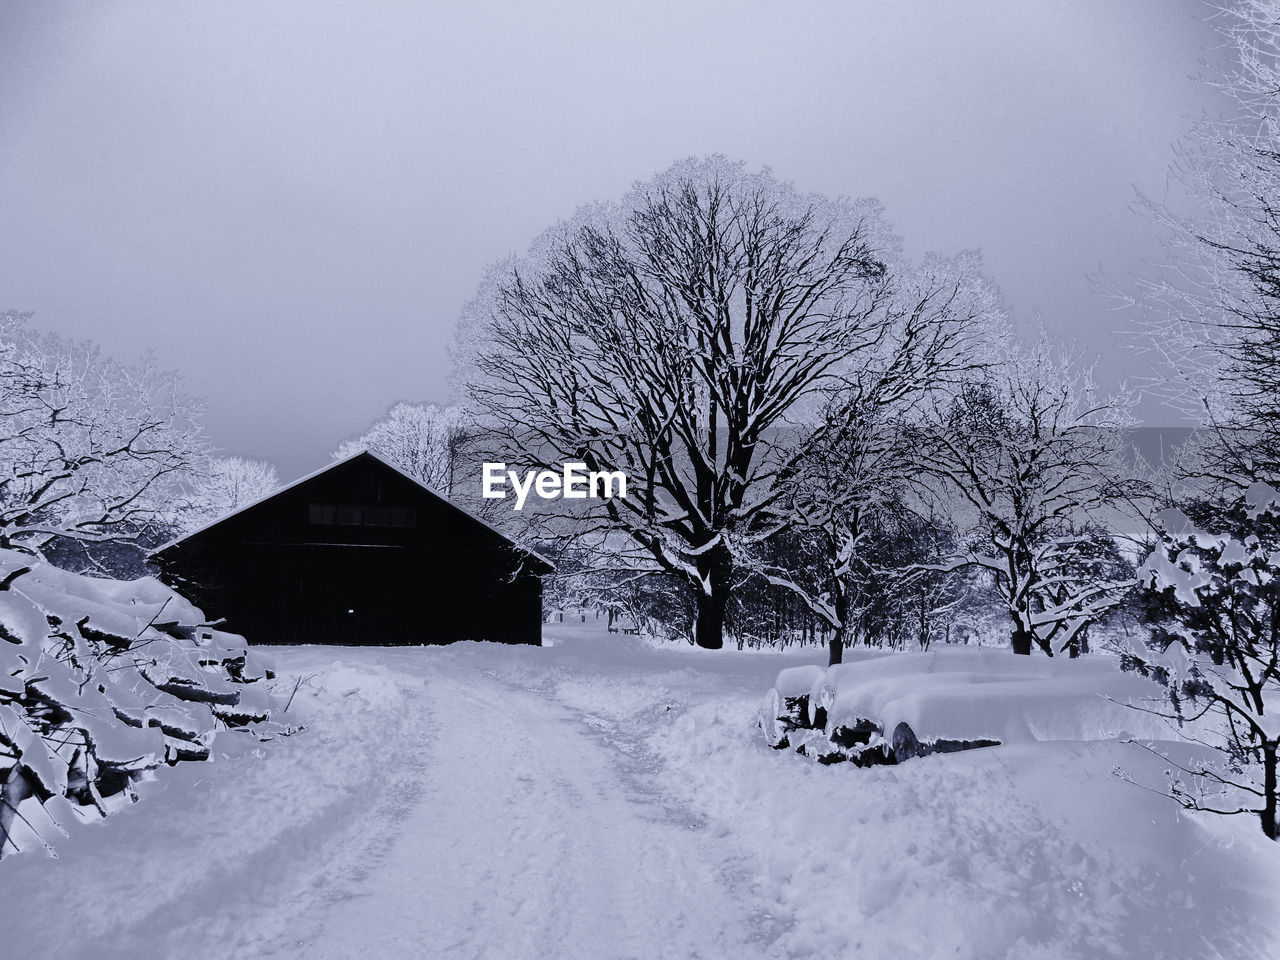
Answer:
(525, 843)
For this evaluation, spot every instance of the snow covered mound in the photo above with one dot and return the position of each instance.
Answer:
(886, 708)
(101, 682)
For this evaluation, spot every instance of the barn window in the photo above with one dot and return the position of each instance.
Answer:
(355, 515)
(322, 513)
(404, 517)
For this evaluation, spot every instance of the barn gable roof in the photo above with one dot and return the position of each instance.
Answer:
(359, 454)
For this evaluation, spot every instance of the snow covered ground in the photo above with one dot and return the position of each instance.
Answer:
(600, 798)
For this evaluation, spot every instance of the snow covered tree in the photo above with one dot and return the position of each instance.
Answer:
(844, 488)
(226, 484)
(424, 440)
(91, 450)
(901, 596)
(673, 336)
(1212, 313)
(1211, 592)
(852, 470)
(1212, 319)
(1038, 457)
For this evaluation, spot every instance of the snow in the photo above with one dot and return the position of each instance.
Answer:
(102, 601)
(1260, 498)
(90, 682)
(797, 681)
(969, 693)
(604, 798)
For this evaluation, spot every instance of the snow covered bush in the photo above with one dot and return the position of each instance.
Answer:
(886, 708)
(1211, 590)
(102, 682)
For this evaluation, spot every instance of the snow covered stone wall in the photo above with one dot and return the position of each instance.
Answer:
(101, 683)
(886, 708)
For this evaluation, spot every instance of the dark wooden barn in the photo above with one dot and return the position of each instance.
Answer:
(359, 553)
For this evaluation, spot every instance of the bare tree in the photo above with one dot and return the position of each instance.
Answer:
(847, 479)
(853, 470)
(424, 440)
(673, 337)
(92, 450)
(1037, 456)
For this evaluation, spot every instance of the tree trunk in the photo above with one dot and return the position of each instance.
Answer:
(1022, 641)
(13, 790)
(1072, 647)
(837, 648)
(708, 628)
(1079, 644)
(1269, 826)
(836, 654)
(714, 568)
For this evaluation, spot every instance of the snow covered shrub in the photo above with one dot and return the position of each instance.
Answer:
(1210, 591)
(101, 682)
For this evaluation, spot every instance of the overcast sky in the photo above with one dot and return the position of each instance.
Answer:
(290, 201)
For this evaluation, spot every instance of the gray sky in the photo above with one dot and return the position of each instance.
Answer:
(290, 201)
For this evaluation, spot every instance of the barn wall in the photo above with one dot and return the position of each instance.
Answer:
(280, 575)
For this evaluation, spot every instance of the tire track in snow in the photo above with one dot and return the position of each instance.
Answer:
(369, 772)
(526, 843)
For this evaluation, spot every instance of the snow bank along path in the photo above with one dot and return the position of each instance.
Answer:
(601, 799)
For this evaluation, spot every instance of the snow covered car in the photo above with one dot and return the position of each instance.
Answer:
(887, 707)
